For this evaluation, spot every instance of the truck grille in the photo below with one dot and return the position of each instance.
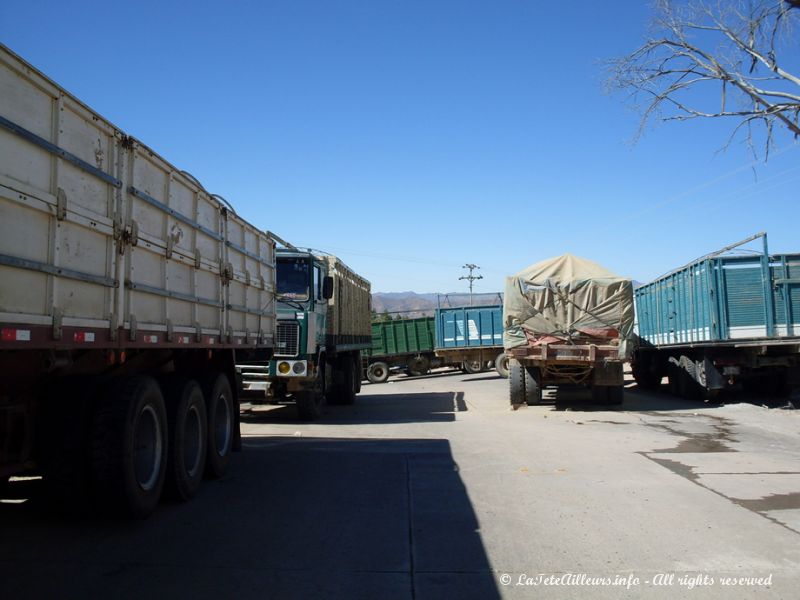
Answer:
(287, 338)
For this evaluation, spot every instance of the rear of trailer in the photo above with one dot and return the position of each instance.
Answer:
(471, 336)
(568, 321)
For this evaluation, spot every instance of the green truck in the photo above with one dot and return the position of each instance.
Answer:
(323, 326)
(405, 344)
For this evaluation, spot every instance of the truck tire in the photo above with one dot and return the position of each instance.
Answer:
(615, 394)
(188, 437)
(419, 365)
(645, 372)
(501, 365)
(129, 446)
(359, 372)
(533, 389)
(472, 366)
(309, 402)
(600, 395)
(345, 392)
(378, 372)
(355, 381)
(309, 406)
(516, 384)
(220, 422)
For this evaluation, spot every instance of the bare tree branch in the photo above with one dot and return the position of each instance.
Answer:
(746, 47)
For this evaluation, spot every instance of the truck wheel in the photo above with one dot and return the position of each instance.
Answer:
(600, 394)
(615, 395)
(309, 402)
(188, 437)
(501, 364)
(355, 379)
(472, 366)
(516, 384)
(220, 424)
(645, 372)
(533, 390)
(419, 365)
(129, 446)
(378, 372)
(359, 371)
(309, 406)
(345, 393)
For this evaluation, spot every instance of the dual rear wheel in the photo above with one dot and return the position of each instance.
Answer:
(144, 437)
(524, 385)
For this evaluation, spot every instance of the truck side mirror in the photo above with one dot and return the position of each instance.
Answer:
(327, 287)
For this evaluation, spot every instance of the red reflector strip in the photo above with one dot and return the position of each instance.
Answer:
(150, 339)
(184, 339)
(209, 340)
(15, 335)
(83, 336)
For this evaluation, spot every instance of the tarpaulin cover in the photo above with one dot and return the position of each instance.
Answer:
(564, 298)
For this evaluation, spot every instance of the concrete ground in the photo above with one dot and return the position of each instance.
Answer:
(432, 487)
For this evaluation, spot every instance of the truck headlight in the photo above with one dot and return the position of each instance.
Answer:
(298, 368)
(283, 367)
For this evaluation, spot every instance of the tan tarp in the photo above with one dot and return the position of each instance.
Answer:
(562, 298)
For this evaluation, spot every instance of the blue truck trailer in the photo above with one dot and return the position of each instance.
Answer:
(721, 322)
(472, 336)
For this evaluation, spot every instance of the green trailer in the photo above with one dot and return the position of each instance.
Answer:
(404, 344)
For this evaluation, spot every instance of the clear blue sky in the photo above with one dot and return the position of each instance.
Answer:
(411, 137)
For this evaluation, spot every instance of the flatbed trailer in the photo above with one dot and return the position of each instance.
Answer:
(126, 290)
(721, 322)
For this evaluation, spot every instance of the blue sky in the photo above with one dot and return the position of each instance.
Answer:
(411, 137)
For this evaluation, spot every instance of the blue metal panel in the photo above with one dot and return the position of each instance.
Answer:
(469, 327)
(722, 298)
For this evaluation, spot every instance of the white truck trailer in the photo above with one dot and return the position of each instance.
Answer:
(126, 290)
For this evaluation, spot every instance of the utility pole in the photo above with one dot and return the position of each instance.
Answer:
(470, 278)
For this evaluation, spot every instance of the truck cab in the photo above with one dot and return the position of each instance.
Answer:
(303, 289)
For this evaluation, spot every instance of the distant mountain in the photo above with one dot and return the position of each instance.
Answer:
(412, 305)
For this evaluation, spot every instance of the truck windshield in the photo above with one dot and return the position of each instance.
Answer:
(293, 278)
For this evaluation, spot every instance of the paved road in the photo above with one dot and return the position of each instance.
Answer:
(432, 488)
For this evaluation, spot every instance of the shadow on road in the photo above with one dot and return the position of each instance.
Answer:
(370, 408)
(635, 400)
(294, 518)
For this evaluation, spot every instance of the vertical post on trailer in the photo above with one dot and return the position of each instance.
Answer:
(766, 284)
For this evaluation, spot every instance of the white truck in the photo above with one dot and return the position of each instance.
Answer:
(126, 290)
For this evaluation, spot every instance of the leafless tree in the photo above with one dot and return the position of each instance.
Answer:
(743, 49)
